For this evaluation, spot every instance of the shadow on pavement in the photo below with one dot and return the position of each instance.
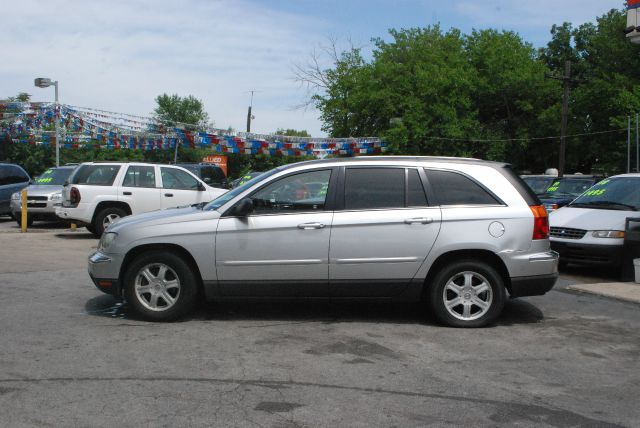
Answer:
(325, 311)
(76, 235)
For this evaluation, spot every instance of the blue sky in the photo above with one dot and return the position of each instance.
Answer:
(119, 54)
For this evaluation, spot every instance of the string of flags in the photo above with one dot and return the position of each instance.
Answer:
(83, 127)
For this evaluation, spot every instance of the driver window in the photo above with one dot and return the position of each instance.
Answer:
(173, 178)
(294, 193)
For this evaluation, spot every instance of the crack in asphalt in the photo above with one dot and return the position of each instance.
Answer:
(536, 413)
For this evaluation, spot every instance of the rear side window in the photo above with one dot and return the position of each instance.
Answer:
(452, 188)
(96, 175)
(371, 188)
(11, 174)
(140, 176)
(416, 196)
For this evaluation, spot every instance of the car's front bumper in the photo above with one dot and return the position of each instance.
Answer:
(591, 254)
(36, 209)
(104, 270)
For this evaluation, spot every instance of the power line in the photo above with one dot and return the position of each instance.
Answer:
(505, 140)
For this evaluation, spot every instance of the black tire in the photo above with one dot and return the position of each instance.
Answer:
(468, 275)
(562, 264)
(98, 224)
(90, 229)
(19, 221)
(178, 269)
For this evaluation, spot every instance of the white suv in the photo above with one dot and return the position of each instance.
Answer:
(98, 193)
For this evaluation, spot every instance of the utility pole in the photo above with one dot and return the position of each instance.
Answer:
(249, 116)
(567, 80)
(628, 144)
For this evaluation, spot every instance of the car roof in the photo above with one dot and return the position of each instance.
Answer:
(382, 159)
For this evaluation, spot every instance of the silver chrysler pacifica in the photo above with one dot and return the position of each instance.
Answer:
(459, 234)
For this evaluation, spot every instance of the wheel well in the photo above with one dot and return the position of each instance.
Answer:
(175, 249)
(483, 255)
(105, 204)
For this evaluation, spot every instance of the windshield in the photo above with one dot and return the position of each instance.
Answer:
(538, 184)
(54, 177)
(226, 197)
(621, 193)
(568, 187)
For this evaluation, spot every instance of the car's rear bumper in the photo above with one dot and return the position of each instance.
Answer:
(591, 254)
(538, 285)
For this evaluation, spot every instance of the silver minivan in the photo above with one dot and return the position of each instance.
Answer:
(460, 234)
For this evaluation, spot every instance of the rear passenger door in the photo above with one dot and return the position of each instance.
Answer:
(139, 189)
(382, 231)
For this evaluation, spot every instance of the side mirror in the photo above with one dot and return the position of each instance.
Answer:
(244, 208)
(225, 184)
(66, 183)
(201, 187)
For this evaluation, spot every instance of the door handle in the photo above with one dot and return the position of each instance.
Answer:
(423, 220)
(169, 195)
(308, 226)
(126, 193)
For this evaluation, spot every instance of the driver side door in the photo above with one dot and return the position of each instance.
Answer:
(282, 247)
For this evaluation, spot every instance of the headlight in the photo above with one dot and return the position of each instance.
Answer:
(106, 241)
(608, 234)
(55, 196)
(16, 196)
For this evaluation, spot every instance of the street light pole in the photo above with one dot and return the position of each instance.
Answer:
(42, 82)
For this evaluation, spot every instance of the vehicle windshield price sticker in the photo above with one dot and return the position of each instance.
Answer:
(597, 192)
(553, 187)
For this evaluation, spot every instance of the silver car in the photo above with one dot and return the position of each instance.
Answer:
(460, 234)
(43, 196)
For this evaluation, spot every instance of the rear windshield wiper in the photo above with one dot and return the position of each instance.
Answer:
(603, 204)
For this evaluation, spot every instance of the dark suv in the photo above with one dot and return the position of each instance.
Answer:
(213, 175)
(12, 179)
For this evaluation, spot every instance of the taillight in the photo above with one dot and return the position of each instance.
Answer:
(540, 222)
(74, 196)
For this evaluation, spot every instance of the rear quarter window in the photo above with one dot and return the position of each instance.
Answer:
(453, 188)
(96, 175)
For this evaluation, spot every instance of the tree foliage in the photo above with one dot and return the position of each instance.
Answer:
(176, 110)
(436, 92)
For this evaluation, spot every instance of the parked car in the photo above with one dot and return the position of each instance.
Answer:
(12, 179)
(211, 174)
(461, 233)
(566, 189)
(244, 178)
(590, 230)
(98, 193)
(43, 196)
(539, 183)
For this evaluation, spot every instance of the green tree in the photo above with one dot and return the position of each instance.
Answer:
(175, 110)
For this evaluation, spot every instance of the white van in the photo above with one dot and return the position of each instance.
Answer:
(590, 230)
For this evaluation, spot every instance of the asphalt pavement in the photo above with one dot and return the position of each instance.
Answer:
(72, 356)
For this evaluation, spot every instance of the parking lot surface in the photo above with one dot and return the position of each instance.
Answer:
(72, 356)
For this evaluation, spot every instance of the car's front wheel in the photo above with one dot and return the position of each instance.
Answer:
(467, 293)
(160, 286)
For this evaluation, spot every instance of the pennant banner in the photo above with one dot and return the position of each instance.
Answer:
(34, 123)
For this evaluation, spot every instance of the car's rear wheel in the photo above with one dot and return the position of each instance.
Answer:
(160, 286)
(104, 218)
(467, 293)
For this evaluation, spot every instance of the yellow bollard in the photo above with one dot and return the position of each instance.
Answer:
(23, 219)
(73, 227)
